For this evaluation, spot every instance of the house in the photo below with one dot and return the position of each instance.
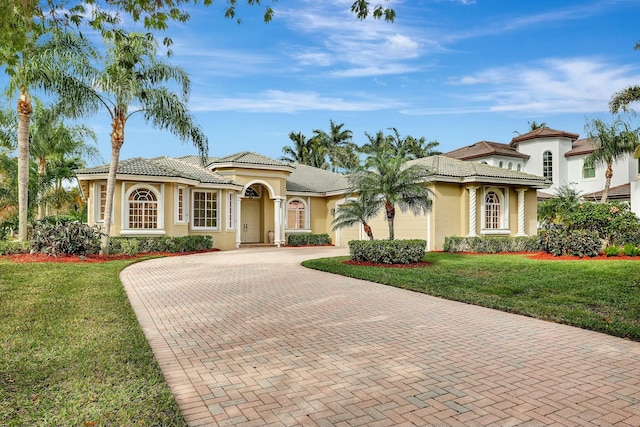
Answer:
(250, 198)
(559, 157)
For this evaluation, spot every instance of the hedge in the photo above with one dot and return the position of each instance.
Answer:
(493, 244)
(388, 251)
(135, 245)
(308, 239)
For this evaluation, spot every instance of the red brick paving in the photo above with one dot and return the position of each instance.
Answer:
(250, 338)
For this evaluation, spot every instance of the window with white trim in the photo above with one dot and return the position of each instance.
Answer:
(588, 170)
(181, 204)
(142, 208)
(495, 211)
(205, 209)
(231, 210)
(547, 165)
(296, 214)
(102, 200)
(492, 211)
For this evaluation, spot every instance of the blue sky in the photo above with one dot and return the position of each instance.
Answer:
(455, 71)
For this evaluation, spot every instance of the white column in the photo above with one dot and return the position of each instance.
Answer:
(283, 220)
(472, 211)
(238, 221)
(277, 221)
(521, 212)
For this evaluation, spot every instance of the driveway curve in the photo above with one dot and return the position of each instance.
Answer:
(250, 338)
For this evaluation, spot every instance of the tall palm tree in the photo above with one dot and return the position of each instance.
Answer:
(377, 143)
(336, 143)
(357, 211)
(626, 96)
(46, 59)
(133, 75)
(610, 143)
(52, 139)
(389, 182)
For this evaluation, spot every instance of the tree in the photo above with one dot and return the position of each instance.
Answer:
(43, 58)
(388, 181)
(408, 146)
(626, 96)
(132, 75)
(53, 140)
(337, 144)
(310, 152)
(357, 211)
(610, 143)
(557, 209)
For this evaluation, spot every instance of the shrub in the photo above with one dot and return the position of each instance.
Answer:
(72, 238)
(387, 251)
(492, 244)
(308, 239)
(611, 251)
(630, 250)
(561, 241)
(135, 245)
(14, 247)
(614, 222)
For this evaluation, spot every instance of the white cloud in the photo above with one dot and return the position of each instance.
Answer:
(277, 101)
(571, 85)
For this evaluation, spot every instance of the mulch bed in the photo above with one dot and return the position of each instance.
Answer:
(38, 257)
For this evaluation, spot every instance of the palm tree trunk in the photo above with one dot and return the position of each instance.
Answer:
(391, 214)
(368, 231)
(607, 183)
(117, 139)
(25, 108)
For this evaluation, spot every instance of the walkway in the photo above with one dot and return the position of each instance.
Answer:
(250, 338)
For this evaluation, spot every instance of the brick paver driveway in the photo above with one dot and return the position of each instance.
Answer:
(250, 338)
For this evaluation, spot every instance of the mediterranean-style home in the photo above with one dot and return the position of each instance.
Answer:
(558, 156)
(249, 198)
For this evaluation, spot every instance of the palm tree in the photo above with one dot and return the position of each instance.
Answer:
(336, 143)
(52, 139)
(42, 59)
(408, 146)
(388, 181)
(626, 96)
(299, 152)
(357, 211)
(610, 143)
(132, 75)
(555, 210)
(377, 143)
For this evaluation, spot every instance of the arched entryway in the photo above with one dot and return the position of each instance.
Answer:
(252, 213)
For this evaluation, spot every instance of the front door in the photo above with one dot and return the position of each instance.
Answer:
(250, 220)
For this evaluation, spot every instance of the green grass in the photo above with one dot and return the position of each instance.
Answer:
(72, 352)
(602, 296)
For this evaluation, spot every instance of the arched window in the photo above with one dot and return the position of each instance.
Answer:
(143, 209)
(519, 167)
(547, 165)
(500, 164)
(510, 166)
(296, 214)
(492, 211)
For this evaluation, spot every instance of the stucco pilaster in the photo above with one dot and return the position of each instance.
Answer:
(473, 207)
(521, 231)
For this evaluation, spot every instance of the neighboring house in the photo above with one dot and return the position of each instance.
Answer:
(559, 157)
(242, 198)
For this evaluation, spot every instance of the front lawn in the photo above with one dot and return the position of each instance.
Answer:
(72, 352)
(601, 295)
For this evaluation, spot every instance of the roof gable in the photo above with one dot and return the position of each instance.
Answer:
(485, 149)
(543, 132)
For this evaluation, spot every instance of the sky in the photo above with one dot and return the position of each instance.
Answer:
(454, 71)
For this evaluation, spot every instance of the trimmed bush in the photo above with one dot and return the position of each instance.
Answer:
(611, 251)
(14, 247)
(492, 244)
(68, 238)
(387, 251)
(308, 239)
(136, 245)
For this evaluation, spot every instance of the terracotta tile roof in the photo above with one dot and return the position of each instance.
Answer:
(442, 166)
(580, 147)
(543, 133)
(620, 192)
(485, 149)
(161, 167)
(307, 179)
